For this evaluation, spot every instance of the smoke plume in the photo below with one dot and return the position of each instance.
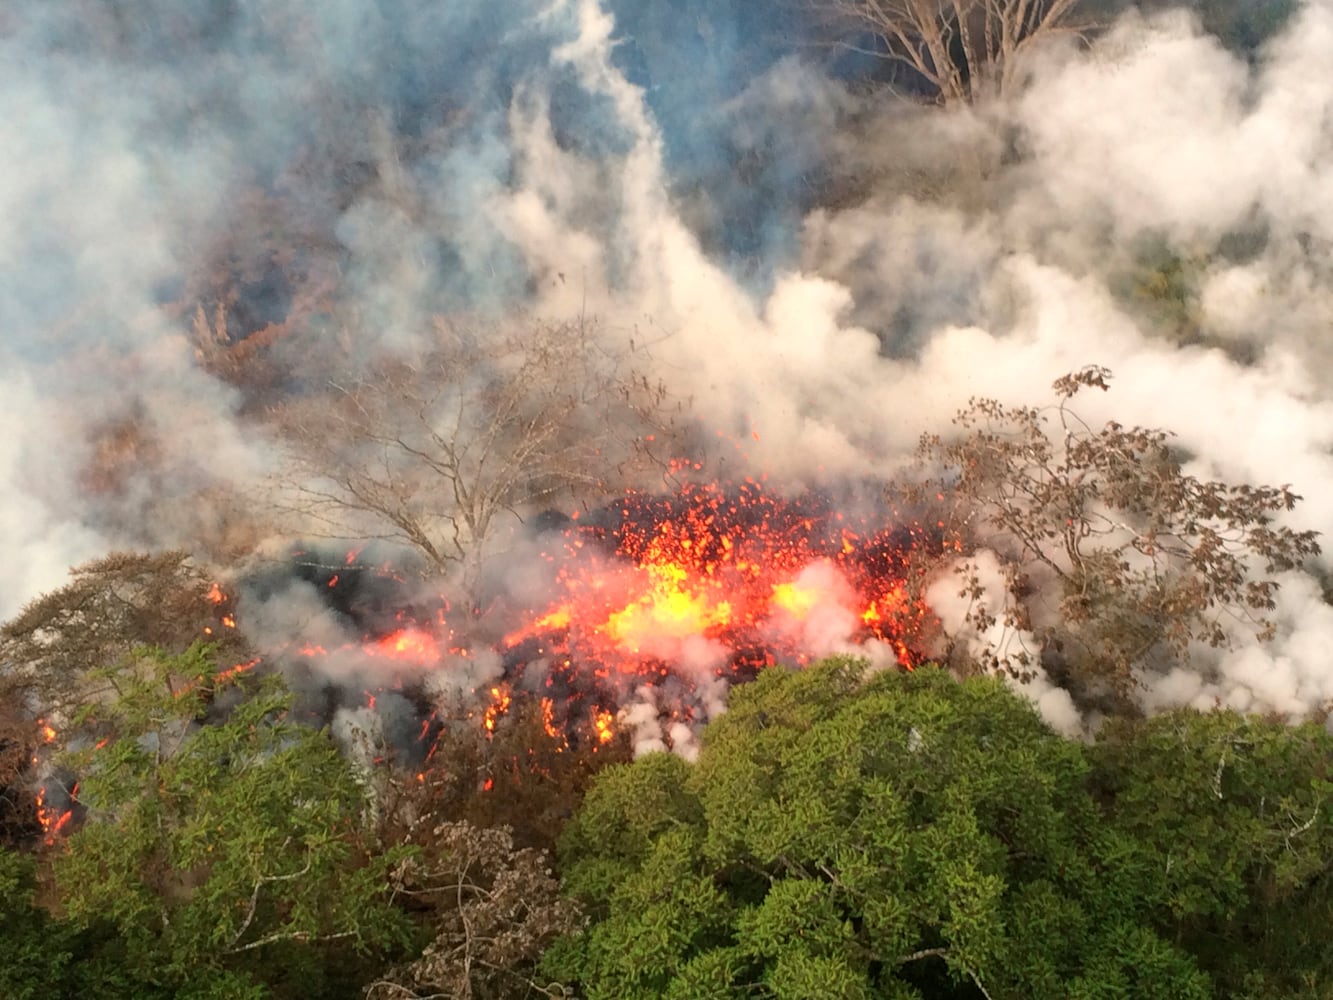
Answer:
(206, 208)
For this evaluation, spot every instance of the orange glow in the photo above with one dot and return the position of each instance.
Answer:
(236, 670)
(53, 821)
(498, 707)
(215, 594)
(706, 585)
(548, 719)
(602, 726)
(718, 573)
(409, 644)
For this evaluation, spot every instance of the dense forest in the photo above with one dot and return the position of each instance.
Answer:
(590, 498)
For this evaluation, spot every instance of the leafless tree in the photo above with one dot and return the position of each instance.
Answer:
(966, 50)
(494, 909)
(433, 451)
(1146, 560)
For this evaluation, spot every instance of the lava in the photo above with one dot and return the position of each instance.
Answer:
(655, 600)
(737, 579)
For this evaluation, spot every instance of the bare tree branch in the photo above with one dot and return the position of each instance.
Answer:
(432, 453)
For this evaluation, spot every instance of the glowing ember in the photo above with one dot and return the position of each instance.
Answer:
(498, 707)
(408, 644)
(731, 579)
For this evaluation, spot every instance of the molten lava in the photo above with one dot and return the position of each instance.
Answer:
(728, 579)
(656, 602)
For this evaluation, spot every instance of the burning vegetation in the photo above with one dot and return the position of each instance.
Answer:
(634, 618)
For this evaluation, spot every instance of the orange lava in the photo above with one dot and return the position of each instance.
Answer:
(728, 577)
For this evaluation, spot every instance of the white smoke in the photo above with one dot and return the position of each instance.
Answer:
(968, 255)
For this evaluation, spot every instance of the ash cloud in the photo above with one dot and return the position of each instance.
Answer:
(823, 275)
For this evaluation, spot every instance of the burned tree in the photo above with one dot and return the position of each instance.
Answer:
(432, 452)
(1144, 559)
(492, 908)
(964, 50)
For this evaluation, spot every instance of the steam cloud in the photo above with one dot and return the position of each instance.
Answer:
(578, 158)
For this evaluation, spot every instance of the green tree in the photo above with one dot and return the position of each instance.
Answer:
(846, 835)
(222, 845)
(58, 651)
(1223, 826)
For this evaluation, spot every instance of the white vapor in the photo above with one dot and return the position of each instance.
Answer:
(968, 254)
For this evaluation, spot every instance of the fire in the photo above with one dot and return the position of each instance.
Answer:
(739, 570)
(409, 644)
(498, 707)
(656, 600)
(795, 600)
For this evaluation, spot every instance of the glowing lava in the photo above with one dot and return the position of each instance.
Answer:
(411, 645)
(728, 579)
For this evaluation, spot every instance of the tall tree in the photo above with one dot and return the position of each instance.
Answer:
(228, 851)
(432, 452)
(1223, 826)
(59, 648)
(847, 835)
(966, 51)
(1145, 558)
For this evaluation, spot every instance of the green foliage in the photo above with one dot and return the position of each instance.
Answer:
(1225, 836)
(218, 848)
(59, 650)
(908, 835)
(847, 836)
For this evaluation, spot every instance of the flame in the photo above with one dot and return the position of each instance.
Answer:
(54, 821)
(235, 670)
(794, 599)
(708, 584)
(498, 707)
(736, 568)
(548, 719)
(215, 593)
(412, 645)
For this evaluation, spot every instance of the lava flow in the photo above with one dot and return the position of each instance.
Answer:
(635, 617)
(725, 582)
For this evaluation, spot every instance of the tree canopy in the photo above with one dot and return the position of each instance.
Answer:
(908, 835)
(213, 849)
